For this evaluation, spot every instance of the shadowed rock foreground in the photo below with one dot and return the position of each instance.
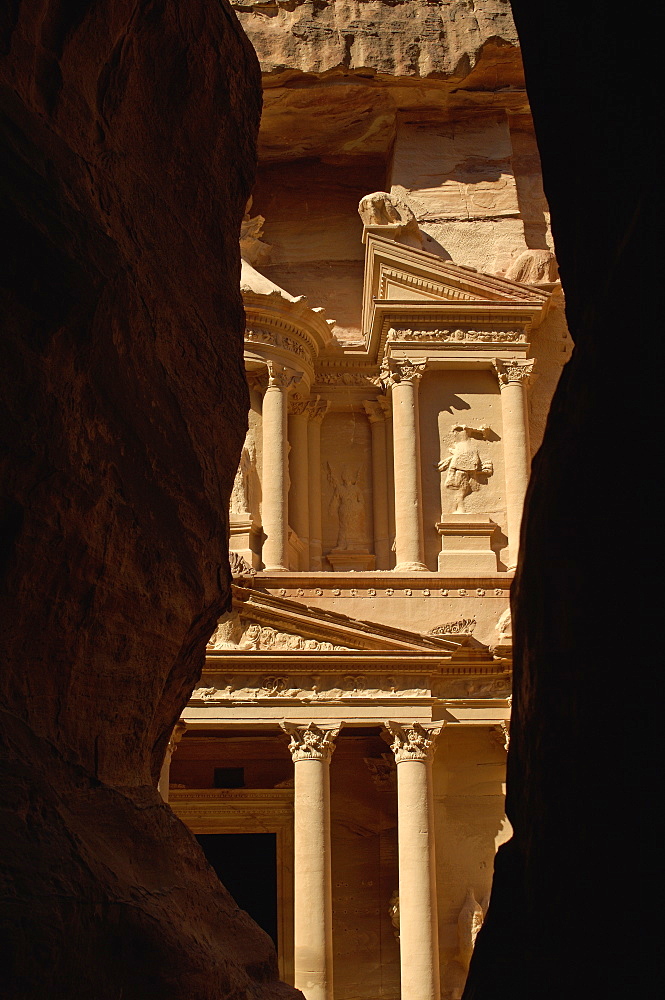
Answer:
(563, 918)
(128, 134)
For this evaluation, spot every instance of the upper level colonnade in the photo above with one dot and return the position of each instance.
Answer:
(408, 451)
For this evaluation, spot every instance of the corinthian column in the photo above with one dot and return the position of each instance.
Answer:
(413, 747)
(377, 422)
(311, 749)
(404, 376)
(298, 464)
(275, 506)
(513, 378)
(317, 411)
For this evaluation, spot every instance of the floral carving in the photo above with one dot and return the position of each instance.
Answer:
(282, 377)
(344, 378)
(513, 371)
(309, 742)
(414, 742)
(458, 336)
(463, 626)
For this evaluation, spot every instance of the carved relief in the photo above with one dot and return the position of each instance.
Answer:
(384, 209)
(239, 566)
(513, 371)
(261, 335)
(533, 267)
(469, 922)
(458, 336)
(413, 742)
(504, 627)
(466, 471)
(228, 632)
(382, 772)
(309, 742)
(252, 249)
(255, 636)
(463, 626)
(348, 505)
(344, 378)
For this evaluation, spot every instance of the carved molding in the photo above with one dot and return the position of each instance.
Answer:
(310, 742)
(261, 335)
(513, 371)
(414, 742)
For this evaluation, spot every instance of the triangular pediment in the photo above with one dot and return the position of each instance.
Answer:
(261, 622)
(404, 278)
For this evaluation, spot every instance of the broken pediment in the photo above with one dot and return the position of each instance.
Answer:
(404, 284)
(259, 621)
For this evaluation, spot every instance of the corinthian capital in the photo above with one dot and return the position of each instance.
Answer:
(414, 742)
(299, 406)
(374, 410)
(318, 408)
(309, 742)
(395, 370)
(513, 371)
(283, 378)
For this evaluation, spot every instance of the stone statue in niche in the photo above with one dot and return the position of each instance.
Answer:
(348, 503)
(466, 471)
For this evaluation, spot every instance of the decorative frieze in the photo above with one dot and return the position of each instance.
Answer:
(310, 742)
(261, 335)
(343, 377)
(413, 742)
(464, 626)
(459, 337)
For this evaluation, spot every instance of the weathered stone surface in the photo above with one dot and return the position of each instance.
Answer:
(395, 37)
(565, 917)
(129, 154)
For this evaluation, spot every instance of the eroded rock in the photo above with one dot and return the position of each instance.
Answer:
(129, 155)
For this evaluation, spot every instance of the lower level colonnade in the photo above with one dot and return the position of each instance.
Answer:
(416, 898)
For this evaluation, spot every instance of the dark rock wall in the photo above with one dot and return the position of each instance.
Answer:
(128, 137)
(563, 917)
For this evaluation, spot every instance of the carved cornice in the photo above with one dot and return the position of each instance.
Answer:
(394, 371)
(513, 371)
(413, 742)
(309, 742)
(281, 377)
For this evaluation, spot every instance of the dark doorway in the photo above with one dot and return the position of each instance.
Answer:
(246, 863)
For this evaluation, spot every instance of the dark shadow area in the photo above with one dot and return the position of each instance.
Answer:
(246, 864)
(564, 917)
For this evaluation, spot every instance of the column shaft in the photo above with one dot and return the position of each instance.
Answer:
(311, 749)
(317, 412)
(275, 482)
(379, 484)
(408, 517)
(513, 378)
(413, 747)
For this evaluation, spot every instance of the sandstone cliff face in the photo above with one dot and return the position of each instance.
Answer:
(394, 37)
(129, 136)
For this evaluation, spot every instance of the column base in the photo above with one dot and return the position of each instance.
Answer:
(410, 567)
(466, 544)
(245, 539)
(346, 560)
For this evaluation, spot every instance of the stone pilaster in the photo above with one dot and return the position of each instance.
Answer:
(317, 410)
(377, 421)
(298, 474)
(404, 376)
(413, 747)
(513, 379)
(311, 749)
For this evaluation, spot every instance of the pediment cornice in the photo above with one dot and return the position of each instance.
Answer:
(407, 288)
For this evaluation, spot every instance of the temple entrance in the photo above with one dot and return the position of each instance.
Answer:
(246, 863)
